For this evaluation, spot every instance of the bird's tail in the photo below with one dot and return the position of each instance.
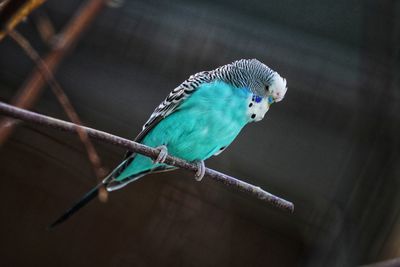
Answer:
(110, 183)
(78, 205)
(89, 195)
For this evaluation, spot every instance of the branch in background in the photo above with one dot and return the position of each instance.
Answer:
(388, 263)
(36, 118)
(67, 106)
(44, 26)
(13, 12)
(28, 94)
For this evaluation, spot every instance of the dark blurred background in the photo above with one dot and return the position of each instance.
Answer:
(331, 147)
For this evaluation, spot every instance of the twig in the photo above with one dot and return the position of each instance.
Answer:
(66, 104)
(388, 263)
(44, 26)
(28, 94)
(13, 12)
(36, 118)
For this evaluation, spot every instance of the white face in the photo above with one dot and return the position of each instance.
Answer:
(278, 88)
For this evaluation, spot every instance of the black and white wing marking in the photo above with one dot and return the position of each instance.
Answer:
(171, 103)
(177, 96)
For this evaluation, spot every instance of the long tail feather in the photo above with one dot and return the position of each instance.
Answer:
(110, 183)
(88, 196)
(77, 206)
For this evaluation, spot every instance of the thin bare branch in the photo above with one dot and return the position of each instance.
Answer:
(13, 12)
(36, 118)
(28, 94)
(44, 26)
(388, 263)
(65, 103)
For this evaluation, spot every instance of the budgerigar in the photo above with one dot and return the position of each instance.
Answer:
(199, 118)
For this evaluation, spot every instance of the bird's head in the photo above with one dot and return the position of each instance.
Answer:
(276, 89)
(256, 76)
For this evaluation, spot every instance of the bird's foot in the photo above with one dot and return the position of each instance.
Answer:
(201, 170)
(162, 155)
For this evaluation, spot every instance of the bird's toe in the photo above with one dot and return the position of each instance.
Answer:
(162, 155)
(201, 170)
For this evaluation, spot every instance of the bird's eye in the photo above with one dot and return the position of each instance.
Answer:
(267, 88)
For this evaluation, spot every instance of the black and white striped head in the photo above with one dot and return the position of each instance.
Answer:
(252, 74)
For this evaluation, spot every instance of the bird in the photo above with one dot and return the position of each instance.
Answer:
(198, 119)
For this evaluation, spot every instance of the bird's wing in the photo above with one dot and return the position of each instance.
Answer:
(172, 102)
(169, 105)
(177, 96)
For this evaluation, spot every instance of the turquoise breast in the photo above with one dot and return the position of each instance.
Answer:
(207, 121)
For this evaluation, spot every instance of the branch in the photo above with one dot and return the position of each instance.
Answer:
(13, 12)
(29, 93)
(44, 26)
(29, 116)
(388, 263)
(55, 86)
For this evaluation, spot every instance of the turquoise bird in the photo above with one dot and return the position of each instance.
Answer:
(200, 118)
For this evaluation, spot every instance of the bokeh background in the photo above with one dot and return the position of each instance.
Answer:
(331, 147)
